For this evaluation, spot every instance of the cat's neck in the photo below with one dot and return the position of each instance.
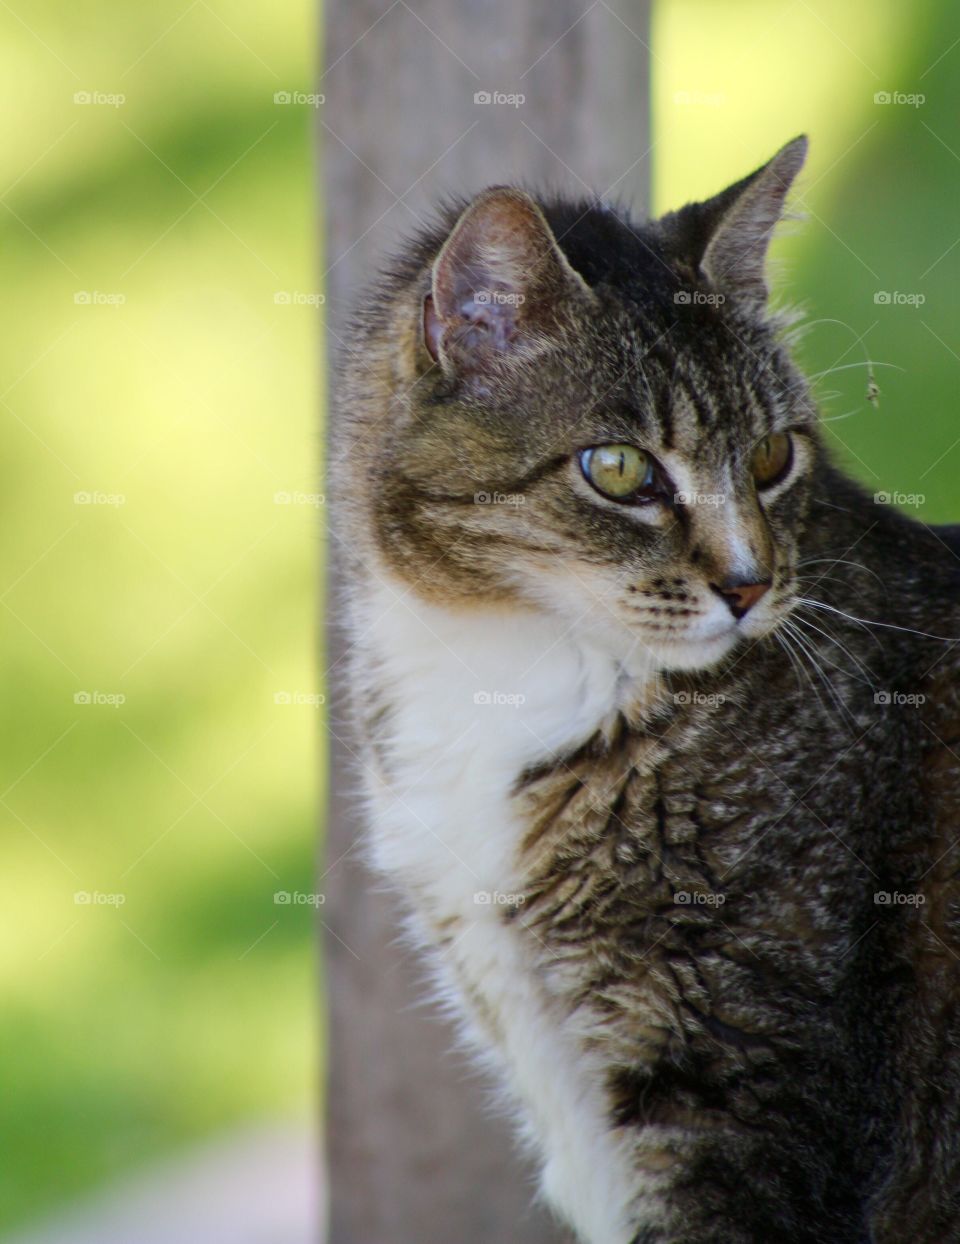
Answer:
(516, 680)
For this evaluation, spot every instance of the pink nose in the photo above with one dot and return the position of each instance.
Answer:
(741, 595)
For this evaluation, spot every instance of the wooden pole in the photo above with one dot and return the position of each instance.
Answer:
(417, 104)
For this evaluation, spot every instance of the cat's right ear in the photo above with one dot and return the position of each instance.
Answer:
(732, 231)
(498, 285)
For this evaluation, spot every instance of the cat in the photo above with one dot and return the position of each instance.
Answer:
(659, 723)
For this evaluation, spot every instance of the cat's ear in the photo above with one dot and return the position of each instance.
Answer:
(739, 223)
(498, 284)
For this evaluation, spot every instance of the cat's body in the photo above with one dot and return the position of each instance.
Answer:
(645, 851)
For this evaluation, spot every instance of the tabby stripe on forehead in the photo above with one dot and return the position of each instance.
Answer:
(664, 412)
(706, 413)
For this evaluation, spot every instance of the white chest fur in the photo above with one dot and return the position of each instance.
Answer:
(473, 701)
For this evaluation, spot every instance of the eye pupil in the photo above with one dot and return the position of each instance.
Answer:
(772, 459)
(619, 472)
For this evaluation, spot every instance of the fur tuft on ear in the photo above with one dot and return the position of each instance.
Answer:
(497, 283)
(739, 223)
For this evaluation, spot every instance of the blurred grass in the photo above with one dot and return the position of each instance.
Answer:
(732, 83)
(127, 1030)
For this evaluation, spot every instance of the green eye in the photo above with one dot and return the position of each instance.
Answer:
(772, 459)
(620, 472)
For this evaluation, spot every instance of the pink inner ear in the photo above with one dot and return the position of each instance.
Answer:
(432, 328)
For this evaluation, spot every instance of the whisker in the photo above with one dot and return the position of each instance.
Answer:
(836, 418)
(839, 561)
(809, 581)
(811, 653)
(866, 679)
(831, 371)
(810, 603)
(890, 626)
(783, 639)
(806, 659)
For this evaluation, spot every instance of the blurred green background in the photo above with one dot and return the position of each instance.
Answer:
(163, 526)
(160, 543)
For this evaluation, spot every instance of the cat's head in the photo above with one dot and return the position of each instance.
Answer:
(595, 418)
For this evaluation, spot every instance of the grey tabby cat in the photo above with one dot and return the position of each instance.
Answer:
(660, 728)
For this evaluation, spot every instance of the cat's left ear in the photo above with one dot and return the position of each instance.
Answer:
(738, 223)
(499, 285)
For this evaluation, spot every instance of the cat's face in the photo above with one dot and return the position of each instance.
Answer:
(632, 452)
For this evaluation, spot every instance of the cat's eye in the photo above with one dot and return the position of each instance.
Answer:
(620, 472)
(772, 459)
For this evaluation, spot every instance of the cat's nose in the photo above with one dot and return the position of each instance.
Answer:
(740, 594)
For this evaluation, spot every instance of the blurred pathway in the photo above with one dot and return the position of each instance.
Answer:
(255, 1187)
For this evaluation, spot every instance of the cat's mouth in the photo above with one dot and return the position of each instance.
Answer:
(694, 652)
(708, 640)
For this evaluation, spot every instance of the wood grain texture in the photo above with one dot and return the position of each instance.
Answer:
(414, 1154)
